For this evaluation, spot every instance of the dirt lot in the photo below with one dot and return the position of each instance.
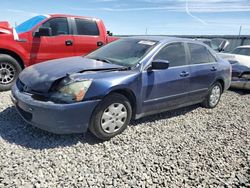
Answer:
(187, 147)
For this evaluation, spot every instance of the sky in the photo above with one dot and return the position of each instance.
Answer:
(139, 17)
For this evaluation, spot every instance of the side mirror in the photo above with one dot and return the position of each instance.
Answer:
(109, 33)
(43, 31)
(159, 64)
(223, 45)
(219, 49)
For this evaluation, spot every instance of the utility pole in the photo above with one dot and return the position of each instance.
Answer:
(240, 30)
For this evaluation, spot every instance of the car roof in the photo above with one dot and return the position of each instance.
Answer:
(245, 46)
(73, 16)
(202, 39)
(162, 38)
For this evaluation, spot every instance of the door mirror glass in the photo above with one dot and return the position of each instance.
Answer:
(43, 31)
(159, 64)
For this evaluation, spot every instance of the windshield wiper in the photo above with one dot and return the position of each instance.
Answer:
(106, 69)
(103, 60)
(124, 68)
(110, 62)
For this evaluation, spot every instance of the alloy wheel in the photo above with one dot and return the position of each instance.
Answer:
(215, 95)
(7, 73)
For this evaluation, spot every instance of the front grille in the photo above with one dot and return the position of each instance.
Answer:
(40, 97)
(26, 115)
(35, 95)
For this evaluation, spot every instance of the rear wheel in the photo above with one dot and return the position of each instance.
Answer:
(213, 96)
(9, 70)
(111, 116)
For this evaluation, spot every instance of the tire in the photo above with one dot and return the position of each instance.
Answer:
(104, 124)
(9, 71)
(213, 97)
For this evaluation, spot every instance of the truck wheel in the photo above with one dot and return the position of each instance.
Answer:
(213, 96)
(111, 116)
(9, 70)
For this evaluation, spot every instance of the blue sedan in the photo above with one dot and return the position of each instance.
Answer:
(129, 78)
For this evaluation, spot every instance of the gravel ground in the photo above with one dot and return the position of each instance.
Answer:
(188, 147)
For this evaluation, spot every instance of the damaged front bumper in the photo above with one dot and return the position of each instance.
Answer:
(52, 117)
(240, 83)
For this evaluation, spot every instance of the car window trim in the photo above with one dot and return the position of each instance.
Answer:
(210, 63)
(71, 25)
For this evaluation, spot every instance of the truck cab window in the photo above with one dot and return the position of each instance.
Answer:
(86, 27)
(59, 26)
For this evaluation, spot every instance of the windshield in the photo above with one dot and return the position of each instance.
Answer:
(125, 52)
(29, 24)
(241, 51)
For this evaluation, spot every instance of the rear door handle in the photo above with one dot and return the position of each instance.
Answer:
(213, 69)
(100, 43)
(184, 74)
(68, 42)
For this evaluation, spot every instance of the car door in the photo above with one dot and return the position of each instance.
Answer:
(87, 36)
(203, 70)
(163, 89)
(58, 45)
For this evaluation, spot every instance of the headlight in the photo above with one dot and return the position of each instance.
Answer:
(72, 92)
(247, 76)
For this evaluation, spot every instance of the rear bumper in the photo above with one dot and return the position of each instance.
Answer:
(55, 118)
(240, 83)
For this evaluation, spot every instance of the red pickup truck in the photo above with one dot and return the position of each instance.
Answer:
(47, 37)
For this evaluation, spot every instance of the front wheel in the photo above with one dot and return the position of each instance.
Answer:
(111, 116)
(9, 70)
(213, 96)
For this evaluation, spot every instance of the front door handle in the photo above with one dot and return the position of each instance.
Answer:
(213, 69)
(184, 74)
(68, 42)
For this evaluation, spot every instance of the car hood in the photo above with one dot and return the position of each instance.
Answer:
(40, 77)
(235, 58)
(5, 28)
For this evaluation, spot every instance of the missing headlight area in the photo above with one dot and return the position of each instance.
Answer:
(246, 75)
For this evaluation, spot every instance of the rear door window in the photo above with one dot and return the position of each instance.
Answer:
(200, 54)
(86, 27)
(174, 53)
